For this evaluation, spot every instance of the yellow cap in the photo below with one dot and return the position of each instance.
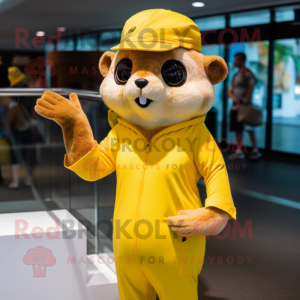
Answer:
(15, 75)
(159, 30)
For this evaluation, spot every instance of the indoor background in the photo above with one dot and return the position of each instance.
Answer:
(58, 44)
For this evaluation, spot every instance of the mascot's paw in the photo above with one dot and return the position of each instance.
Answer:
(77, 132)
(61, 110)
(201, 221)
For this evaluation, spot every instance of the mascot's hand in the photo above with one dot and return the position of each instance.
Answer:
(59, 109)
(77, 132)
(201, 221)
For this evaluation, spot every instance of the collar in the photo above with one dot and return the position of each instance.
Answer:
(113, 119)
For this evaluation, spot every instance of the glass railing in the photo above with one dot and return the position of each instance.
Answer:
(33, 177)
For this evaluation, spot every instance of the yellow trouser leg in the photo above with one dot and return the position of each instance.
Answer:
(132, 283)
(172, 266)
(169, 285)
(178, 288)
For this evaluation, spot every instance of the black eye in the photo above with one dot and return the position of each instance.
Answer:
(123, 71)
(173, 73)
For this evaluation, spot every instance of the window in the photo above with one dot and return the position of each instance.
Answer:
(286, 96)
(250, 18)
(217, 22)
(67, 45)
(87, 43)
(218, 104)
(109, 39)
(285, 14)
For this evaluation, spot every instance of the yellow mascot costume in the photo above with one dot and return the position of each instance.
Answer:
(159, 87)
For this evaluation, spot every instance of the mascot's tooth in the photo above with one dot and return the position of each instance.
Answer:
(143, 100)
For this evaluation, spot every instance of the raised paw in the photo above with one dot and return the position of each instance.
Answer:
(55, 107)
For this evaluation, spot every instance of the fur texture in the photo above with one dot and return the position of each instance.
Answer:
(170, 105)
(77, 132)
(201, 221)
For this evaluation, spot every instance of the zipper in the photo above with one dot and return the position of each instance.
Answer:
(147, 151)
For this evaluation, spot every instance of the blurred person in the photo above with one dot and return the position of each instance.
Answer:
(18, 126)
(4, 81)
(2, 136)
(241, 90)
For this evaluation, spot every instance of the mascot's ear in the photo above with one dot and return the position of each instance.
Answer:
(215, 68)
(105, 62)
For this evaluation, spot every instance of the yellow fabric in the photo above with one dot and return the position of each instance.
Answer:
(159, 30)
(112, 118)
(15, 75)
(154, 182)
(5, 158)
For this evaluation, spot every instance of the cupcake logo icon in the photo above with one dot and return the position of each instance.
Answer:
(39, 68)
(39, 258)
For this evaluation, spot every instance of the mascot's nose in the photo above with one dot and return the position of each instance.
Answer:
(141, 83)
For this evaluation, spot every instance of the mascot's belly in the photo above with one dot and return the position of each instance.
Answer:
(151, 186)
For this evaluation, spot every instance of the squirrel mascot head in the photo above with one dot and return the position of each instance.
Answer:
(159, 77)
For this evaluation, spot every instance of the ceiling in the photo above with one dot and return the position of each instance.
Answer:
(42, 15)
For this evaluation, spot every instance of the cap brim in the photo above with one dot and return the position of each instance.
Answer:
(158, 47)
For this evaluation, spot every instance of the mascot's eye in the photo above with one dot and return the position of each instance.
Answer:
(123, 71)
(173, 73)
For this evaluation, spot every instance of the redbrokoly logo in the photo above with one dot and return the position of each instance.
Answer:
(39, 258)
(38, 68)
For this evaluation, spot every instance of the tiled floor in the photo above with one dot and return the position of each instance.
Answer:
(285, 135)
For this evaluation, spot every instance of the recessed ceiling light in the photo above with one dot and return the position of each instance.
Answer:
(198, 4)
(61, 28)
(40, 33)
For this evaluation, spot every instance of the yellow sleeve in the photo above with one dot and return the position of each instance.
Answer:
(100, 161)
(210, 164)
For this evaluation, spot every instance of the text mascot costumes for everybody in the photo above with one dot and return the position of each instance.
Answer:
(159, 88)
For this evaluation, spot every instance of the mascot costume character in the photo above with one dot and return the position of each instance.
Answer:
(159, 87)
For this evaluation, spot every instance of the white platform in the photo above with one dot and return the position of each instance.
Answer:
(47, 259)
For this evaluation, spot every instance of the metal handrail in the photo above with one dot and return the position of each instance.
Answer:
(88, 95)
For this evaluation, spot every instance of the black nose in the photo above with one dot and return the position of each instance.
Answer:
(141, 83)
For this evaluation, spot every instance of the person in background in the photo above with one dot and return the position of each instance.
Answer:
(4, 81)
(241, 90)
(2, 135)
(18, 127)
